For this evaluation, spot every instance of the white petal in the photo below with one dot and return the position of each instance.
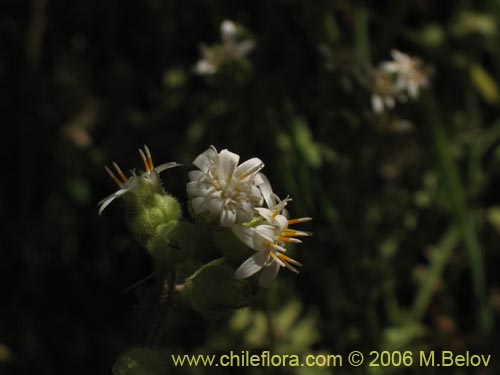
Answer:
(197, 188)
(248, 168)
(165, 166)
(244, 48)
(204, 67)
(255, 193)
(205, 159)
(265, 213)
(390, 67)
(214, 205)
(131, 184)
(377, 104)
(413, 90)
(268, 275)
(105, 202)
(227, 218)
(251, 266)
(399, 56)
(228, 29)
(265, 233)
(196, 175)
(266, 189)
(197, 204)
(245, 234)
(282, 222)
(244, 214)
(226, 165)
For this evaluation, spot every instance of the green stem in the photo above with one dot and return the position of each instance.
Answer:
(361, 32)
(456, 196)
(438, 261)
(167, 291)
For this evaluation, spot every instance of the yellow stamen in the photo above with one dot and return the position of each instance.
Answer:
(120, 173)
(150, 158)
(272, 245)
(144, 160)
(287, 259)
(299, 220)
(295, 233)
(286, 239)
(116, 180)
(277, 259)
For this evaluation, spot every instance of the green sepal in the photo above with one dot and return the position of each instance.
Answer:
(172, 243)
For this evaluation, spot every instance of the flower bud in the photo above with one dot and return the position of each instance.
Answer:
(172, 243)
(146, 210)
(213, 291)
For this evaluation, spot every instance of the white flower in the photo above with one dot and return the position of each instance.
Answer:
(231, 49)
(128, 184)
(410, 75)
(267, 235)
(222, 188)
(234, 49)
(396, 80)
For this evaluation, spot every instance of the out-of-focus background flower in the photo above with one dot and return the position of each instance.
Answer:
(406, 202)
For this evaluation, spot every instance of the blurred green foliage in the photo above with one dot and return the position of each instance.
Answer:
(405, 252)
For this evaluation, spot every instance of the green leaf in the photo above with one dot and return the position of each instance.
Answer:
(485, 84)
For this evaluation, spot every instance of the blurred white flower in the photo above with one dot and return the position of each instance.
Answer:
(396, 80)
(223, 188)
(232, 48)
(409, 72)
(267, 235)
(128, 184)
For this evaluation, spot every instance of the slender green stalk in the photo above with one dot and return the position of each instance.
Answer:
(167, 291)
(437, 265)
(456, 196)
(361, 32)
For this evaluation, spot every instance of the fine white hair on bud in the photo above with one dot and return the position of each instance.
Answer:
(223, 188)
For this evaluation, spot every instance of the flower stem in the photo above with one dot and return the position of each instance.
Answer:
(461, 212)
(438, 262)
(167, 291)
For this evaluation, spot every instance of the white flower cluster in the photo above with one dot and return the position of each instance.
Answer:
(234, 195)
(398, 79)
(232, 48)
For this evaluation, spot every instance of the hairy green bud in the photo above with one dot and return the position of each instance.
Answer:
(172, 243)
(148, 209)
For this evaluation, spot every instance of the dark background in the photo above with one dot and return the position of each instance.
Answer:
(83, 83)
